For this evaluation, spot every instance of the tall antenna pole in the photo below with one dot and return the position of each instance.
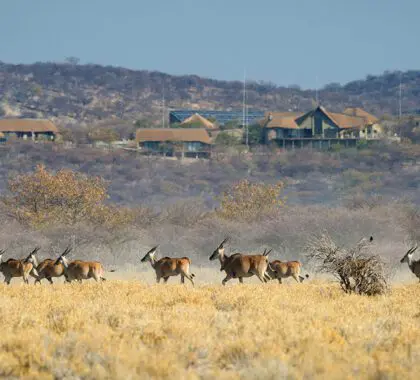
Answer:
(400, 100)
(163, 105)
(244, 116)
(316, 92)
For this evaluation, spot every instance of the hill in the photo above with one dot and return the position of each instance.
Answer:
(88, 93)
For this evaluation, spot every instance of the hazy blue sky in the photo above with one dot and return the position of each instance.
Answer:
(283, 41)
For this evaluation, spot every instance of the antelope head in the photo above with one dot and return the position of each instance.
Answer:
(407, 257)
(32, 257)
(62, 259)
(219, 251)
(150, 256)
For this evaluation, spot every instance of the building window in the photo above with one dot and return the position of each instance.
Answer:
(193, 146)
(151, 145)
(318, 125)
(279, 133)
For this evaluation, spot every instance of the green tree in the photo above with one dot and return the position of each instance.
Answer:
(227, 139)
(255, 134)
(232, 124)
(143, 123)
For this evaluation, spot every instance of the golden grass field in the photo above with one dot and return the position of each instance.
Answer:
(125, 329)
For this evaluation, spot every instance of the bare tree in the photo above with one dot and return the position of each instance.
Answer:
(357, 269)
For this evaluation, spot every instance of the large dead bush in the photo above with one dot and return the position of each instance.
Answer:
(357, 269)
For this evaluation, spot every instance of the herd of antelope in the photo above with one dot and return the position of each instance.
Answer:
(237, 266)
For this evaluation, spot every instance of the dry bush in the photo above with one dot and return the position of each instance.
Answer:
(184, 213)
(250, 201)
(42, 198)
(357, 269)
(103, 134)
(361, 200)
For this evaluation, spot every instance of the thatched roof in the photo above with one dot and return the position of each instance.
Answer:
(344, 121)
(359, 112)
(27, 125)
(198, 119)
(173, 134)
(352, 118)
(281, 120)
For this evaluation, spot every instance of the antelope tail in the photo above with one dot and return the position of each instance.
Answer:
(192, 275)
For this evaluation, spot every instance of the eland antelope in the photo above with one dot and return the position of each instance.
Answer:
(19, 268)
(239, 265)
(48, 269)
(169, 266)
(414, 265)
(81, 270)
(279, 269)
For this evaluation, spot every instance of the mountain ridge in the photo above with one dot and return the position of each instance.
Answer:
(90, 93)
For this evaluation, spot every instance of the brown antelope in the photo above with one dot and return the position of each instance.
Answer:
(279, 269)
(169, 266)
(239, 265)
(414, 265)
(81, 270)
(49, 270)
(19, 268)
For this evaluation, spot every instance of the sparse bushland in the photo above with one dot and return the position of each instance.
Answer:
(91, 93)
(131, 329)
(128, 329)
(178, 204)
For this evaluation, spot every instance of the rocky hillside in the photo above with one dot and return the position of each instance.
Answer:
(90, 93)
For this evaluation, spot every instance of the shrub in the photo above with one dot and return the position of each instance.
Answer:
(227, 139)
(103, 134)
(357, 269)
(42, 198)
(184, 213)
(250, 201)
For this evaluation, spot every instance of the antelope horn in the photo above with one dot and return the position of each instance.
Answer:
(267, 253)
(35, 251)
(67, 251)
(224, 241)
(153, 249)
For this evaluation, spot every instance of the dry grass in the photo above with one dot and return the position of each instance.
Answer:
(129, 329)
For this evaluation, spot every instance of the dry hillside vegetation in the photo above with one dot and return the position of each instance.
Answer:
(91, 93)
(122, 330)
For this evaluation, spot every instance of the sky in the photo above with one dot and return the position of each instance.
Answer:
(305, 42)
